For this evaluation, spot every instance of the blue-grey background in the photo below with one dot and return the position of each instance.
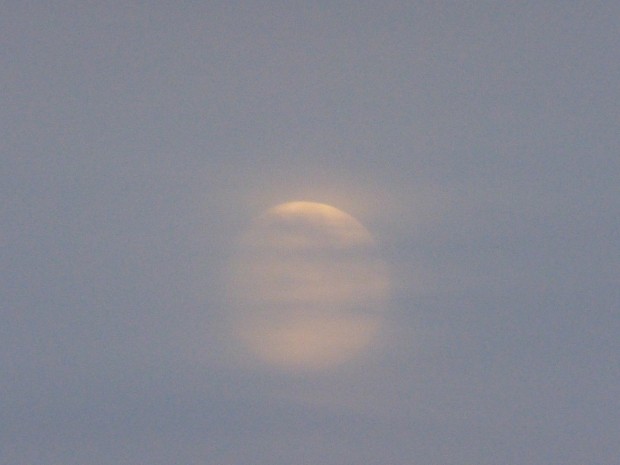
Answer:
(479, 141)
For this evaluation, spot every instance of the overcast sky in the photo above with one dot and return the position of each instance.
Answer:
(478, 141)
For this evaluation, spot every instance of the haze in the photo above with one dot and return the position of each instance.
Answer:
(478, 142)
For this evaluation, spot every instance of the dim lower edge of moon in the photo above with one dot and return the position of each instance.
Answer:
(307, 288)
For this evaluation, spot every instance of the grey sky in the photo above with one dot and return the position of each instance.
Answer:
(478, 141)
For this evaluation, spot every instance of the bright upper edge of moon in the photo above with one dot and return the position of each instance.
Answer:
(307, 288)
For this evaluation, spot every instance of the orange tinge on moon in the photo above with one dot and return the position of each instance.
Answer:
(307, 287)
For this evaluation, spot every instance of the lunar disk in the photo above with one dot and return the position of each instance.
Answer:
(307, 287)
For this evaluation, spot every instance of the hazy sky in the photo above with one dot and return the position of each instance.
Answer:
(479, 143)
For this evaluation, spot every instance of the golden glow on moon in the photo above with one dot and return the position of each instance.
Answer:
(308, 287)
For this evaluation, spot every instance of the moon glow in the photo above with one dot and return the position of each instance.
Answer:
(308, 287)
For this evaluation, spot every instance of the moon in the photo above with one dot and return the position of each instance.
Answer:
(307, 286)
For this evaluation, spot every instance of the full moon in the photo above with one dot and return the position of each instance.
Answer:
(307, 287)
